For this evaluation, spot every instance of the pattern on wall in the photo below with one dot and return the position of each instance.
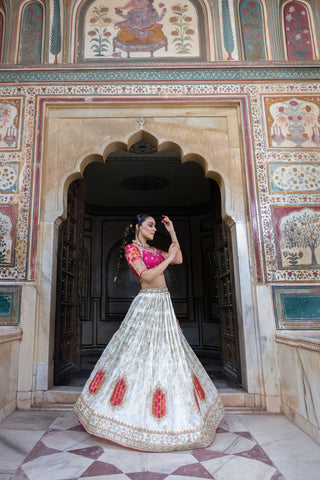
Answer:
(298, 236)
(252, 30)
(294, 178)
(276, 267)
(293, 122)
(10, 123)
(9, 177)
(297, 32)
(8, 215)
(31, 34)
(141, 29)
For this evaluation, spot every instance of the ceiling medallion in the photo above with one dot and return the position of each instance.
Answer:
(145, 183)
(143, 146)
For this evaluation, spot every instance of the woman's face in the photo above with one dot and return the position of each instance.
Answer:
(148, 228)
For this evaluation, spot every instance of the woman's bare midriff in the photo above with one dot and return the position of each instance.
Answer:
(158, 282)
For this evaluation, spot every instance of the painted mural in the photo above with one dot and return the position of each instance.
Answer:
(294, 178)
(297, 32)
(298, 236)
(293, 122)
(10, 123)
(9, 177)
(7, 234)
(252, 30)
(31, 34)
(141, 29)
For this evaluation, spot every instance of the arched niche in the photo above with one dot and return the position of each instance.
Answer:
(169, 31)
(298, 31)
(32, 33)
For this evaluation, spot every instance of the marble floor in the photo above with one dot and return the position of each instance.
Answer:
(50, 445)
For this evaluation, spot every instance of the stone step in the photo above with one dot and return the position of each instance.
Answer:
(63, 398)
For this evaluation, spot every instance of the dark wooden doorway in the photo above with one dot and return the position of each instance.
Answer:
(202, 289)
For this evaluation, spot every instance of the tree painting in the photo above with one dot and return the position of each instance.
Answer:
(227, 29)
(302, 230)
(55, 37)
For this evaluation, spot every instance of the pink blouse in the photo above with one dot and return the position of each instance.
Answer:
(141, 259)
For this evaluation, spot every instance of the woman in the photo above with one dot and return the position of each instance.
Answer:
(148, 390)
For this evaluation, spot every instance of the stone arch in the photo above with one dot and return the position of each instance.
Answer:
(204, 132)
(119, 145)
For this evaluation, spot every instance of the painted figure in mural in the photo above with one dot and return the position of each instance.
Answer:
(141, 20)
(148, 390)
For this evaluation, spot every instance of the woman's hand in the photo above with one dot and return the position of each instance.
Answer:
(167, 223)
(173, 250)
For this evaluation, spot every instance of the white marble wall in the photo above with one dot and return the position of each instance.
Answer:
(299, 361)
(9, 355)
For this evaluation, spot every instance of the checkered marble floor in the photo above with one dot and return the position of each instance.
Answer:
(52, 446)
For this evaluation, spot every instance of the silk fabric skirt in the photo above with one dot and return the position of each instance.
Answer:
(148, 391)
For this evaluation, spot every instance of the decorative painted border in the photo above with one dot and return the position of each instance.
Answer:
(297, 308)
(10, 302)
(200, 71)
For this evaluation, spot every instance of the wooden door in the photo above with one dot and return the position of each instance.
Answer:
(68, 327)
(227, 308)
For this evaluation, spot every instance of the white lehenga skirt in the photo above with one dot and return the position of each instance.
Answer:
(148, 391)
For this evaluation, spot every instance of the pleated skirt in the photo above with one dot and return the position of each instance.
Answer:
(148, 391)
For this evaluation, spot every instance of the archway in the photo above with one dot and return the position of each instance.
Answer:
(205, 133)
(90, 306)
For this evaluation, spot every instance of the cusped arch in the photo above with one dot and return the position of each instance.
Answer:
(115, 146)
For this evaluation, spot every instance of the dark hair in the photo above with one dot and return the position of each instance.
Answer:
(129, 235)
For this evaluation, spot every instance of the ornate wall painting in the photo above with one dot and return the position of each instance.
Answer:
(297, 32)
(294, 178)
(1, 34)
(10, 123)
(297, 307)
(8, 217)
(31, 34)
(10, 300)
(252, 31)
(293, 122)
(140, 29)
(297, 236)
(9, 177)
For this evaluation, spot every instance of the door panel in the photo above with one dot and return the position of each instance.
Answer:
(68, 326)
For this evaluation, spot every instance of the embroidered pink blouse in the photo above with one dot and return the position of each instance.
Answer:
(141, 259)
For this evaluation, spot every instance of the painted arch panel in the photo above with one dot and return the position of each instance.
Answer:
(140, 29)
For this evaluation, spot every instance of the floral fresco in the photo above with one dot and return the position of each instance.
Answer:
(293, 122)
(252, 30)
(10, 120)
(298, 236)
(8, 215)
(141, 29)
(31, 34)
(297, 32)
